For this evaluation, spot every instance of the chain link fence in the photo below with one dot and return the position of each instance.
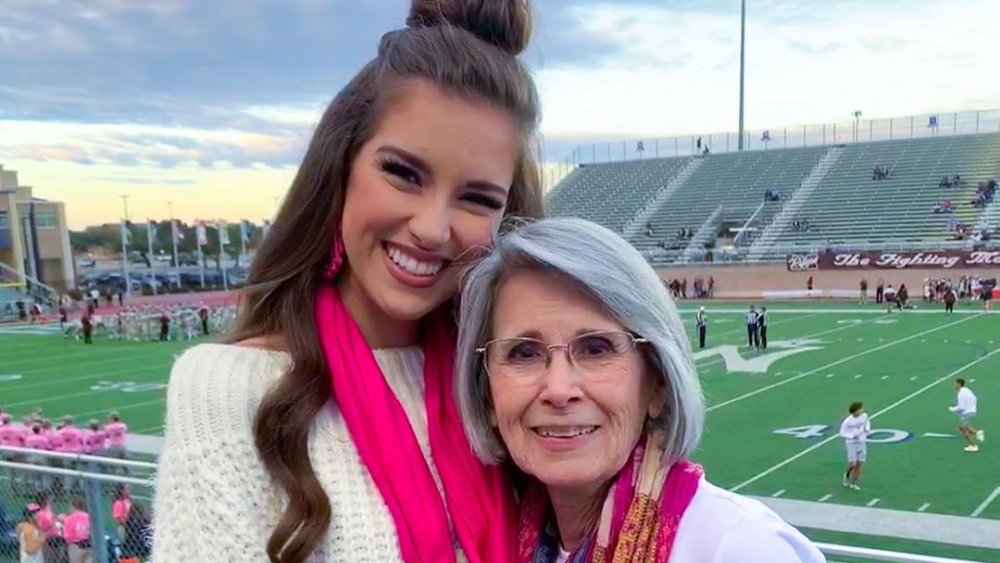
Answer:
(65, 508)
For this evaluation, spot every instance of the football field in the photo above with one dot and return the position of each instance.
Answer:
(772, 422)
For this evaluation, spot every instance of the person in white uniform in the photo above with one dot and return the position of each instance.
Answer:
(854, 430)
(965, 407)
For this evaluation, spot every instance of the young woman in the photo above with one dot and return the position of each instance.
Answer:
(326, 429)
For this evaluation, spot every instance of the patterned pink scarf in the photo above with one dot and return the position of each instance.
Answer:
(640, 517)
(477, 499)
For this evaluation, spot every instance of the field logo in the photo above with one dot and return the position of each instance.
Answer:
(760, 362)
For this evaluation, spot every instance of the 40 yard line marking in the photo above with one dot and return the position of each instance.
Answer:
(826, 441)
(826, 367)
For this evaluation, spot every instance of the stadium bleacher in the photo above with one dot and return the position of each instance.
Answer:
(848, 206)
(611, 194)
(845, 206)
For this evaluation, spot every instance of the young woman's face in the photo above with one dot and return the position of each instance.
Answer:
(430, 185)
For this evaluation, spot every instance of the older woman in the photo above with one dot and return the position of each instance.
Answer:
(573, 361)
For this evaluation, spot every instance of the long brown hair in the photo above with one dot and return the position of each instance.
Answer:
(468, 47)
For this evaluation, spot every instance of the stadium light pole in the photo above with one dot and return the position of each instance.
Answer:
(128, 279)
(743, 36)
(857, 124)
(174, 229)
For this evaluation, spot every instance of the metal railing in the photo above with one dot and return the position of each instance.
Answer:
(52, 482)
(919, 126)
(869, 554)
(82, 505)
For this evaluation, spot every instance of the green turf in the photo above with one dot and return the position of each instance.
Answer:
(903, 362)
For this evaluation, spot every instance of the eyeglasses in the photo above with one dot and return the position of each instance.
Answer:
(592, 354)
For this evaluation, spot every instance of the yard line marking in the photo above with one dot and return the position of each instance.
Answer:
(973, 380)
(924, 507)
(826, 441)
(885, 377)
(829, 375)
(779, 493)
(924, 340)
(857, 376)
(742, 331)
(989, 499)
(45, 400)
(945, 340)
(718, 360)
(939, 435)
(873, 502)
(43, 361)
(834, 363)
(92, 376)
(825, 497)
(914, 378)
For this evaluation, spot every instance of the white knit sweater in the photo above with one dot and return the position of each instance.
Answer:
(215, 502)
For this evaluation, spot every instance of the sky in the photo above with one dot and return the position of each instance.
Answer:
(204, 107)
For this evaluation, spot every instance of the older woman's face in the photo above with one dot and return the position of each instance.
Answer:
(567, 427)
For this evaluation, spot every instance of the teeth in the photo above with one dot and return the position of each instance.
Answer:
(566, 432)
(412, 265)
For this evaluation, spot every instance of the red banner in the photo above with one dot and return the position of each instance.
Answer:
(936, 260)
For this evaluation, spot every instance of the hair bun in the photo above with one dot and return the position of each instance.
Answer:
(503, 23)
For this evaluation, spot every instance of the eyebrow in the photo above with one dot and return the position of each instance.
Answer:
(423, 166)
(533, 333)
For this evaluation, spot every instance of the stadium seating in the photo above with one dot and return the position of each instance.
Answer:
(846, 206)
(611, 194)
(735, 181)
(849, 207)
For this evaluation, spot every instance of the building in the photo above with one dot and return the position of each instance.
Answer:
(34, 237)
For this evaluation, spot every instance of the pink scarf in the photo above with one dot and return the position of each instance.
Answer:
(639, 519)
(477, 498)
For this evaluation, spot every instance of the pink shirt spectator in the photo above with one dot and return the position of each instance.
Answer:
(120, 509)
(37, 442)
(76, 527)
(116, 434)
(22, 432)
(93, 441)
(10, 436)
(55, 440)
(72, 439)
(47, 522)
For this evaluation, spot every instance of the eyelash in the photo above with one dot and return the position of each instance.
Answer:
(399, 170)
(409, 175)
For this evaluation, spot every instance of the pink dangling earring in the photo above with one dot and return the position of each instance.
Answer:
(336, 258)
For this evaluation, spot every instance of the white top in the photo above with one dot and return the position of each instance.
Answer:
(966, 402)
(751, 317)
(855, 428)
(213, 496)
(724, 527)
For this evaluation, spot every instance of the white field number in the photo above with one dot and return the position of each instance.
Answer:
(876, 436)
(127, 386)
(9, 377)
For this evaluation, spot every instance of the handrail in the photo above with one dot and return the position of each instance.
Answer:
(884, 555)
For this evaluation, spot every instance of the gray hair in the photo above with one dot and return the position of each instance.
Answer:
(610, 270)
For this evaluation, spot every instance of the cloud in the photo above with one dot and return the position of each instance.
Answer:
(211, 92)
(149, 145)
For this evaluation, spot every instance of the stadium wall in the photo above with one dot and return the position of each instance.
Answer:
(751, 281)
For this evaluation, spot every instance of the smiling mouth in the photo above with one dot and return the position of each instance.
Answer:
(564, 432)
(411, 265)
